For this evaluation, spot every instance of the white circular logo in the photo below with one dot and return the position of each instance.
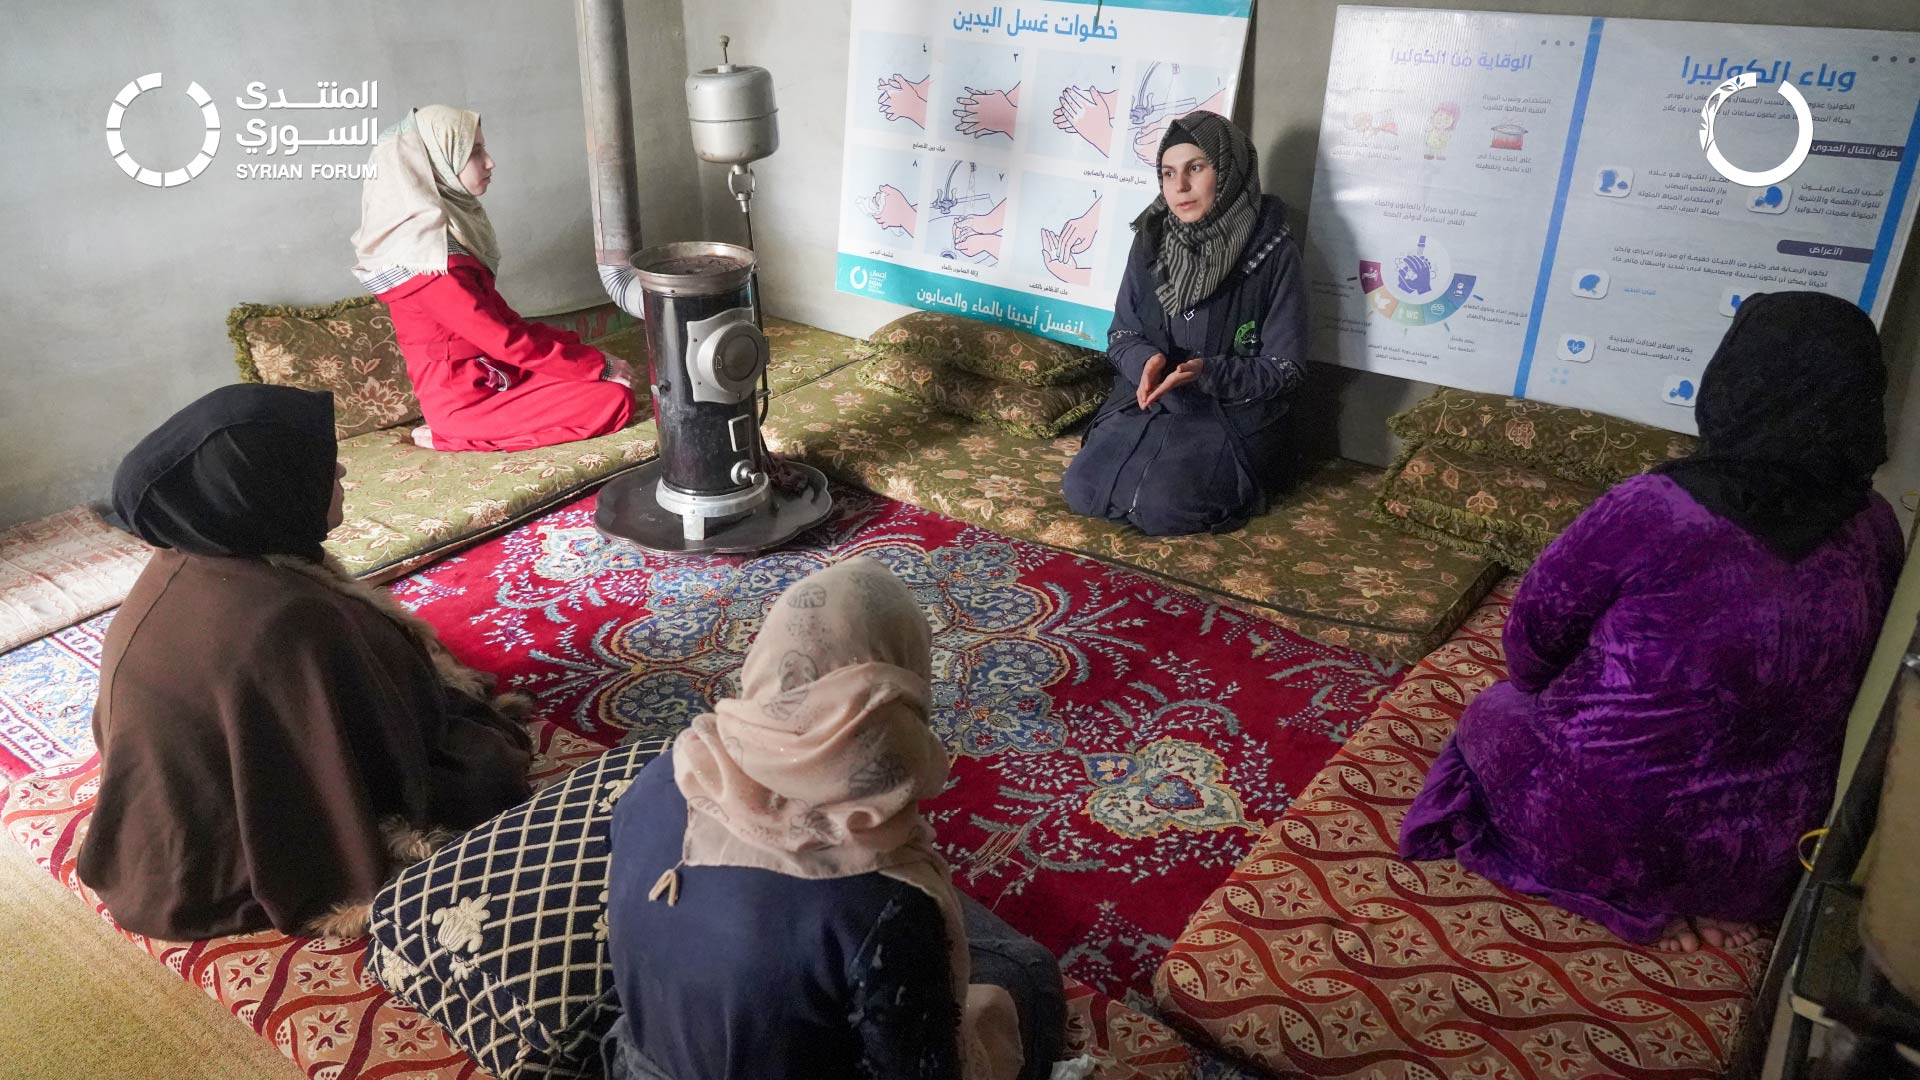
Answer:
(172, 177)
(857, 277)
(1802, 145)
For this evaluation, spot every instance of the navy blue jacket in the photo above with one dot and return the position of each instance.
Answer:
(757, 974)
(1204, 457)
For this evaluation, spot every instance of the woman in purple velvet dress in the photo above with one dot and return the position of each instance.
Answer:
(1683, 658)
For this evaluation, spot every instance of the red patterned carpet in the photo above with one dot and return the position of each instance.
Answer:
(1119, 746)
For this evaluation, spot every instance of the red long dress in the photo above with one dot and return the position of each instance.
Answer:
(488, 379)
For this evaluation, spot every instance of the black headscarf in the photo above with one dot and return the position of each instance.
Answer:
(246, 470)
(1791, 420)
(1191, 260)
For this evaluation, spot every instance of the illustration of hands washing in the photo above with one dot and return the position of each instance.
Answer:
(1060, 251)
(978, 235)
(1414, 272)
(901, 98)
(1088, 112)
(973, 206)
(988, 112)
(889, 209)
(1159, 100)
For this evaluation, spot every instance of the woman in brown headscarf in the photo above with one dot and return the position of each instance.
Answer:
(275, 738)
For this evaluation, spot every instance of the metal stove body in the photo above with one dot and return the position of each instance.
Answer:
(714, 487)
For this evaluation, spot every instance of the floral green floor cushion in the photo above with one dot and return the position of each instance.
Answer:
(345, 348)
(1320, 563)
(984, 349)
(407, 506)
(1481, 506)
(1573, 443)
(1036, 412)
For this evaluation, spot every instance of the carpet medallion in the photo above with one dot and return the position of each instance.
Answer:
(1118, 746)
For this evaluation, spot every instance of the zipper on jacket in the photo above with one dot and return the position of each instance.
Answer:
(1144, 470)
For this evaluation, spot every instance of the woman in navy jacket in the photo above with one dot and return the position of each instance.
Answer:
(1207, 342)
(821, 935)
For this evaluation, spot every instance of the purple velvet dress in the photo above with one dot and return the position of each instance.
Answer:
(1673, 718)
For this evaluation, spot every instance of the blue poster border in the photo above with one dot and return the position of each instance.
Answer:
(1544, 281)
(1896, 210)
(1061, 320)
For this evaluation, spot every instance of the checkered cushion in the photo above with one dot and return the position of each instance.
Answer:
(501, 936)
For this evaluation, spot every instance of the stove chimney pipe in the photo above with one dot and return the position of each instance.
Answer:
(607, 96)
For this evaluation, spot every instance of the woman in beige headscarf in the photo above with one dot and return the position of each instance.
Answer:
(777, 906)
(486, 378)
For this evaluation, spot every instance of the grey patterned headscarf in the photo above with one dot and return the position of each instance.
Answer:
(1190, 261)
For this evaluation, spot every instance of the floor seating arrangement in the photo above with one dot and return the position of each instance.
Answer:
(60, 569)
(1498, 478)
(317, 999)
(1320, 954)
(407, 506)
(1324, 954)
(1319, 562)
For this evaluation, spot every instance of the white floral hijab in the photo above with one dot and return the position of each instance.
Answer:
(413, 209)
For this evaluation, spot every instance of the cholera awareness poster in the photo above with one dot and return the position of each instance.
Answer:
(996, 153)
(1571, 209)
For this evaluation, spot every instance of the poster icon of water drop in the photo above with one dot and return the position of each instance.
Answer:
(1680, 390)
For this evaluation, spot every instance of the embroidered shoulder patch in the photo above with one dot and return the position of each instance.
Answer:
(1246, 340)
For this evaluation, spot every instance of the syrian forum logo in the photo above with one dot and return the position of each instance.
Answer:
(1803, 144)
(151, 177)
(273, 141)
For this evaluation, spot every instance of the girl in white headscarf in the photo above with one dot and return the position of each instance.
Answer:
(486, 378)
(777, 906)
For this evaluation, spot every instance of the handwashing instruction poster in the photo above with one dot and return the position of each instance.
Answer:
(997, 153)
(1523, 204)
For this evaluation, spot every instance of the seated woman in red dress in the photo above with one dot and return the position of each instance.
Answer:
(486, 378)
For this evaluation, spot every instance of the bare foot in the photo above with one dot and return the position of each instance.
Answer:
(1679, 936)
(423, 437)
(1723, 934)
(1692, 933)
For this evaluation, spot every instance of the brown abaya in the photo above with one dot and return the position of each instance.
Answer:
(275, 738)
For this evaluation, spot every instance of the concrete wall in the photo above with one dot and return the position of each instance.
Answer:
(115, 295)
(806, 46)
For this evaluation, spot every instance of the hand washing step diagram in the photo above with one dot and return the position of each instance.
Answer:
(1573, 209)
(997, 152)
